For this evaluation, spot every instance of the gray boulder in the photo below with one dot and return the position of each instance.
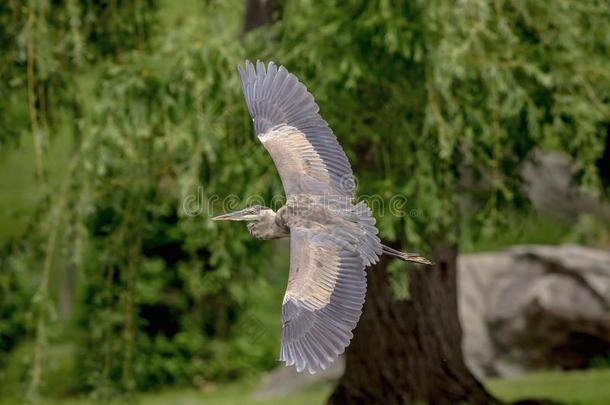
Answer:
(534, 307)
(549, 184)
(284, 381)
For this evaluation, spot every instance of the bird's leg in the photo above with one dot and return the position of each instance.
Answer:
(407, 257)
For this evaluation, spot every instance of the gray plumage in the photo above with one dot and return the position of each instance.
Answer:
(302, 146)
(332, 239)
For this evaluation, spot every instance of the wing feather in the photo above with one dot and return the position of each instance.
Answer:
(280, 106)
(323, 301)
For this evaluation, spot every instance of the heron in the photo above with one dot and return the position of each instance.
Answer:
(332, 238)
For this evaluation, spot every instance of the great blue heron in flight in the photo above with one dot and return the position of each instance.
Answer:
(332, 239)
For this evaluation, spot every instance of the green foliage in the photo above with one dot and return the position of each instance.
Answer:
(13, 301)
(165, 289)
(437, 101)
(61, 379)
(601, 362)
(164, 294)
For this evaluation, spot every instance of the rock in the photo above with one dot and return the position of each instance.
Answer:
(285, 380)
(534, 307)
(550, 187)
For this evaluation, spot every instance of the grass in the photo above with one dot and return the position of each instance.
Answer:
(240, 393)
(589, 387)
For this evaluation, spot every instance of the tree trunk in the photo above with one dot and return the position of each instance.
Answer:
(603, 163)
(407, 351)
(258, 13)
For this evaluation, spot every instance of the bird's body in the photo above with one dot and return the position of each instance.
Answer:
(332, 239)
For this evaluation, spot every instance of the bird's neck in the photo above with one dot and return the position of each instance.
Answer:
(269, 226)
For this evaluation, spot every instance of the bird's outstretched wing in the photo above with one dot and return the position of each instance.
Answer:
(327, 282)
(302, 146)
(323, 301)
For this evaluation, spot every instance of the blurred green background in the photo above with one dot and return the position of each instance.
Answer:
(114, 113)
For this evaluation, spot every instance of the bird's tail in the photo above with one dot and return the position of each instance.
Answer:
(407, 257)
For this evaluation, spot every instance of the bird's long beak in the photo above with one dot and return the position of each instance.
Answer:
(242, 215)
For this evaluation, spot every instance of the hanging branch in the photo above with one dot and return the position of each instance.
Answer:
(130, 313)
(37, 135)
(41, 302)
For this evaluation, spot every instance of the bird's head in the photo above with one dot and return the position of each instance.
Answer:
(253, 213)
